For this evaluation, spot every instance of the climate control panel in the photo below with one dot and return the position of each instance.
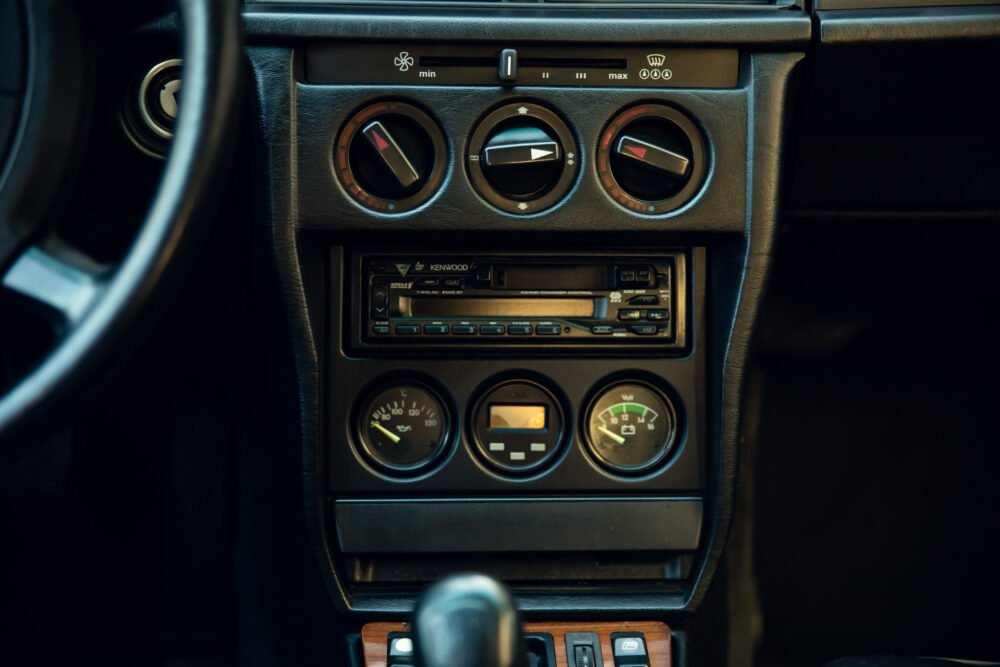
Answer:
(522, 158)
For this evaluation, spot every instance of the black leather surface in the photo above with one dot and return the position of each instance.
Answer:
(42, 145)
(273, 83)
(762, 26)
(733, 338)
(929, 24)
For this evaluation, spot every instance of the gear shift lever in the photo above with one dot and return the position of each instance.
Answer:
(468, 620)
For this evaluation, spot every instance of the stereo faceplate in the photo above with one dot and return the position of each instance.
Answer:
(411, 301)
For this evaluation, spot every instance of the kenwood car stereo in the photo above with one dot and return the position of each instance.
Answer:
(439, 300)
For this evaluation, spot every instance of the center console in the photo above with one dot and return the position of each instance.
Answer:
(521, 276)
(537, 409)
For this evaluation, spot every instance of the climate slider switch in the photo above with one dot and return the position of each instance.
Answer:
(508, 66)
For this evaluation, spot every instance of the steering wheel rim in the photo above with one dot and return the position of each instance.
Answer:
(109, 303)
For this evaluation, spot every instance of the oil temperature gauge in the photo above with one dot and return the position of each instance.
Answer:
(403, 427)
(631, 427)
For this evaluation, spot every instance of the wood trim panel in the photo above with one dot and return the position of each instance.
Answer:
(375, 638)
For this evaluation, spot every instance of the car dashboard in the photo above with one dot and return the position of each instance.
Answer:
(543, 291)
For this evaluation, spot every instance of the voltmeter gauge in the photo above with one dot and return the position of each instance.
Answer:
(631, 427)
(403, 428)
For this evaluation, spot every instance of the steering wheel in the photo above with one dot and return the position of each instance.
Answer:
(101, 308)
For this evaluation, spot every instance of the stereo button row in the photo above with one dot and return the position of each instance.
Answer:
(471, 329)
(652, 314)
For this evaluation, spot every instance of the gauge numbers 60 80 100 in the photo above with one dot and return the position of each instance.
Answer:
(403, 427)
(631, 427)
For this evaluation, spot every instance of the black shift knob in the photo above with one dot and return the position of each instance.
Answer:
(468, 620)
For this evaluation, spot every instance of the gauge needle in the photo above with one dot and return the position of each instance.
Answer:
(611, 434)
(392, 436)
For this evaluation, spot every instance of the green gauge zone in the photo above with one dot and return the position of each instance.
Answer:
(631, 427)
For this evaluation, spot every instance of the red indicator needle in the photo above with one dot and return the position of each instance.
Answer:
(382, 144)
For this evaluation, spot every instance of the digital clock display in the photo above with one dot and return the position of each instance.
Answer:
(517, 418)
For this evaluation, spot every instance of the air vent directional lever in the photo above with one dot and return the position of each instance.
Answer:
(527, 145)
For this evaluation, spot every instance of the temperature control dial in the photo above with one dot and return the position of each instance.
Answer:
(403, 427)
(390, 157)
(651, 159)
(522, 158)
(631, 427)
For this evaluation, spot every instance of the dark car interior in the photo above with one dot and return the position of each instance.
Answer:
(487, 333)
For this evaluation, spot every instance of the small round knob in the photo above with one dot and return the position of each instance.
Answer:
(522, 158)
(390, 157)
(651, 159)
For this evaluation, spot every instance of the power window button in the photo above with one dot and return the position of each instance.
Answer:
(583, 649)
(584, 656)
(629, 650)
(400, 647)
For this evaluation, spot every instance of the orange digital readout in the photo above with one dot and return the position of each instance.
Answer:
(517, 418)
